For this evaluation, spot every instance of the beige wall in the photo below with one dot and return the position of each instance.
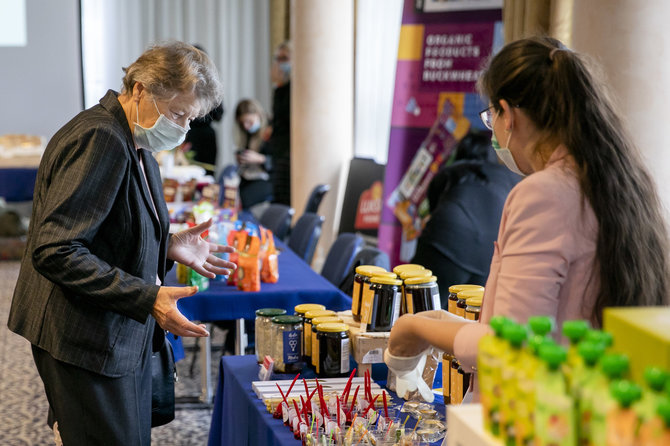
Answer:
(631, 39)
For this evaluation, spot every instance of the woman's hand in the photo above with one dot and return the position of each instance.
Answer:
(413, 333)
(250, 157)
(403, 340)
(189, 248)
(169, 317)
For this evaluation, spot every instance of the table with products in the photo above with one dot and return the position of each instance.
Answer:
(298, 283)
(241, 418)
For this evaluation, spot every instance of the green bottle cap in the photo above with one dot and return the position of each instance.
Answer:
(498, 323)
(599, 336)
(515, 334)
(663, 410)
(590, 352)
(536, 341)
(625, 392)
(575, 330)
(541, 325)
(553, 354)
(655, 378)
(614, 365)
(270, 312)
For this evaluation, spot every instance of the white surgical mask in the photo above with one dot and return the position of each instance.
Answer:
(163, 135)
(256, 126)
(504, 153)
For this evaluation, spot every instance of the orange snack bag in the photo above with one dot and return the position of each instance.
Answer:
(269, 260)
(248, 276)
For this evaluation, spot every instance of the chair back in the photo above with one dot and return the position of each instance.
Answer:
(366, 256)
(277, 218)
(341, 256)
(315, 198)
(305, 235)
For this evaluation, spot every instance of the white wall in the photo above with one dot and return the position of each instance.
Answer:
(41, 82)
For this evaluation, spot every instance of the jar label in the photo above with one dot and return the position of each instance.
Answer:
(356, 298)
(292, 346)
(366, 305)
(307, 341)
(409, 302)
(396, 307)
(344, 356)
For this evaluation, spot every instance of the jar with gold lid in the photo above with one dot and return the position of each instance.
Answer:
(361, 282)
(453, 294)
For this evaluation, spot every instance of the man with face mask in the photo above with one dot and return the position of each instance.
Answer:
(89, 296)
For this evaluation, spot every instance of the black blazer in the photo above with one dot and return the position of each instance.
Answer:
(95, 246)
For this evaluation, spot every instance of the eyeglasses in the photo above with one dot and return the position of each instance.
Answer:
(486, 116)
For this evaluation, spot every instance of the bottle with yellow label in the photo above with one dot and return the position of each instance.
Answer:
(515, 334)
(489, 366)
(613, 366)
(622, 420)
(657, 431)
(575, 331)
(368, 296)
(554, 407)
(583, 385)
(655, 380)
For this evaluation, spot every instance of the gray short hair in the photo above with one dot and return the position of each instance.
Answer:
(169, 69)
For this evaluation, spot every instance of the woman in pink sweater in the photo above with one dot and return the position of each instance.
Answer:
(583, 231)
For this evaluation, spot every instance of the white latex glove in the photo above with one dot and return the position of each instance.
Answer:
(408, 372)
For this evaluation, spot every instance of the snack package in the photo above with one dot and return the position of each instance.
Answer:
(269, 257)
(248, 272)
(195, 279)
(236, 239)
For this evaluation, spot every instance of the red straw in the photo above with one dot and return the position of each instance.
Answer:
(348, 386)
(306, 390)
(371, 405)
(354, 400)
(365, 386)
(304, 408)
(291, 387)
(386, 409)
(297, 412)
(324, 407)
(281, 393)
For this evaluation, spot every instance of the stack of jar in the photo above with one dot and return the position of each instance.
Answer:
(464, 300)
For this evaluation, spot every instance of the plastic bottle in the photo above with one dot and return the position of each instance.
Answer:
(575, 332)
(657, 431)
(622, 419)
(613, 366)
(529, 364)
(655, 380)
(515, 335)
(583, 386)
(599, 336)
(489, 365)
(554, 407)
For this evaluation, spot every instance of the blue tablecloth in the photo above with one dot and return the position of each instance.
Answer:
(17, 183)
(298, 283)
(240, 418)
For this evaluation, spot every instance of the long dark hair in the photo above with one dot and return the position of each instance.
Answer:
(560, 92)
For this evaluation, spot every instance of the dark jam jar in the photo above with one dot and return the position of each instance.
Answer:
(422, 294)
(453, 294)
(333, 339)
(314, 359)
(406, 274)
(463, 297)
(307, 330)
(386, 303)
(473, 308)
(361, 282)
(300, 311)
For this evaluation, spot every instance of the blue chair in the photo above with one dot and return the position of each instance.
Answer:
(366, 256)
(305, 235)
(341, 256)
(315, 198)
(277, 218)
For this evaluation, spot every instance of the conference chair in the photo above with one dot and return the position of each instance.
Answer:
(305, 235)
(366, 256)
(277, 218)
(341, 256)
(315, 198)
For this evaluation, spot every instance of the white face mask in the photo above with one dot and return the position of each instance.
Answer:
(504, 153)
(163, 135)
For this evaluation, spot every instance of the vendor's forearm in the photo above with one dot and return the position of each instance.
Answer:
(438, 333)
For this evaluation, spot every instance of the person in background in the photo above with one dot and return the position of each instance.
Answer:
(280, 136)
(583, 231)
(89, 296)
(466, 200)
(201, 137)
(253, 159)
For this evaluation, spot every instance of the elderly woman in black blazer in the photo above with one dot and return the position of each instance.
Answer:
(89, 296)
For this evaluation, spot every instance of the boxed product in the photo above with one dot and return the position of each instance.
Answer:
(642, 333)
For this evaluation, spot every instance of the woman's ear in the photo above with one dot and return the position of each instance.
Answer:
(138, 88)
(508, 114)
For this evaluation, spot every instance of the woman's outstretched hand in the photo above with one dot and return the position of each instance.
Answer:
(190, 249)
